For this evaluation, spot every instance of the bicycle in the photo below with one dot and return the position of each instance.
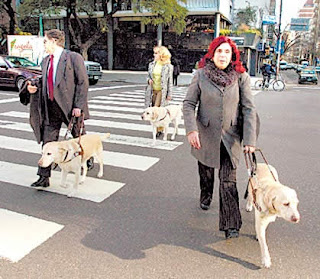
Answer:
(276, 83)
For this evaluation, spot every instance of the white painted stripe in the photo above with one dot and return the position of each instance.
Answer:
(20, 233)
(115, 115)
(114, 108)
(128, 126)
(113, 87)
(8, 94)
(116, 159)
(119, 97)
(116, 139)
(9, 100)
(130, 104)
(93, 189)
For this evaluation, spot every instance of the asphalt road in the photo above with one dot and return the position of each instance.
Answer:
(152, 227)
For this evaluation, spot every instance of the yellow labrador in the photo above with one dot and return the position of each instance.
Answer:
(162, 117)
(72, 156)
(271, 199)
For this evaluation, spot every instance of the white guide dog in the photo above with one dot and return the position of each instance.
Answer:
(162, 117)
(271, 199)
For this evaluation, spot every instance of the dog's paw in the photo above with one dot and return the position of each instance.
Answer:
(173, 137)
(100, 174)
(266, 262)
(64, 186)
(249, 207)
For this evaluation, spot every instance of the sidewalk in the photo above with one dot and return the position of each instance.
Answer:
(140, 77)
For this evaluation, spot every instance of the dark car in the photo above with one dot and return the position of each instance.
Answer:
(308, 75)
(14, 70)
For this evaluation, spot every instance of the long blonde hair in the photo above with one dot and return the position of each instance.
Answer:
(165, 55)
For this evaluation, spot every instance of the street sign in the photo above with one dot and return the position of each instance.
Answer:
(269, 19)
(299, 24)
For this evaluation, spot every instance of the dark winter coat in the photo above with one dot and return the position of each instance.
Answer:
(70, 91)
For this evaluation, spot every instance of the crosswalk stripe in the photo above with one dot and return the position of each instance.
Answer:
(11, 100)
(116, 159)
(112, 87)
(20, 234)
(128, 126)
(130, 104)
(115, 108)
(93, 189)
(114, 138)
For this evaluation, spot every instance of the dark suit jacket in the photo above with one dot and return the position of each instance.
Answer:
(70, 91)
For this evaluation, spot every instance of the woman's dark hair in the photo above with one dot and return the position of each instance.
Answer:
(235, 58)
(56, 34)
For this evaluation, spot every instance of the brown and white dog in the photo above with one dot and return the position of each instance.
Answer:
(162, 117)
(72, 156)
(271, 199)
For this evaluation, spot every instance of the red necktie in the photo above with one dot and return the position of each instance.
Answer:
(50, 78)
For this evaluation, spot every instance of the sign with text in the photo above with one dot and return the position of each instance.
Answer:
(299, 24)
(269, 19)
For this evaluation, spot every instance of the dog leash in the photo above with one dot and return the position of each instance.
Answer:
(251, 164)
(68, 135)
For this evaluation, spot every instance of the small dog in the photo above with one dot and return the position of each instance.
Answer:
(271, 199)
(71, 156)
(162, 117)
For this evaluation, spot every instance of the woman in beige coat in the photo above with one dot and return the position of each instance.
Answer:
(226, 116)
(160, 80)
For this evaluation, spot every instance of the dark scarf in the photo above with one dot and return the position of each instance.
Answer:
(220, 77)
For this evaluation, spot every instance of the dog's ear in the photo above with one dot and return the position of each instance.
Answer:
(269, 200)
(155, 115)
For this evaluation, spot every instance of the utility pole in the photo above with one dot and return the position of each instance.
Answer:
(316, 35)
(279, 41)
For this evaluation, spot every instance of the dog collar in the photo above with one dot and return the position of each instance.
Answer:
(168, 113)
(74, 155)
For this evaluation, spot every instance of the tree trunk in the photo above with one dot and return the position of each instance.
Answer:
(84, 52)
(11, 14)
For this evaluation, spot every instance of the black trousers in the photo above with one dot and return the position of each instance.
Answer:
(175, 80)
(51, 131)
(229, 211)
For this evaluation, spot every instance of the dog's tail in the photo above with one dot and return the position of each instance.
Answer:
(105, 136)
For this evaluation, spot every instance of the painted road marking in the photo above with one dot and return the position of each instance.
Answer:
(93, 189)
(20, 234)
(114, 138)
(116, 159)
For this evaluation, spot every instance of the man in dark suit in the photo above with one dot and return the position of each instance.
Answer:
(61, 94)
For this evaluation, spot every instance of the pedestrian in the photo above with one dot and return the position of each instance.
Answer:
(176, 70)
(226, 117)
(160, 76)
(61, 94)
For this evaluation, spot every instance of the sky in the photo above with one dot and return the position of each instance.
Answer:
(290, 9)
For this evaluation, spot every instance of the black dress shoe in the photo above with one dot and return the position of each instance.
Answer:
(41, 182)
(158, 134)
(231, 233)
(204, 206)
(90, 163)
(205, 202)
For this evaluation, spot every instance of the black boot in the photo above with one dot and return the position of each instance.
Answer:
(231, 233)
(90, 163)
(43, 181)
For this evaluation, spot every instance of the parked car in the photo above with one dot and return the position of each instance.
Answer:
(308, 75)
(94, 71)
(15, 70)
(283, 65)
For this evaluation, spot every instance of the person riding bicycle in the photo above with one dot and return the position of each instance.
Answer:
(267, 70)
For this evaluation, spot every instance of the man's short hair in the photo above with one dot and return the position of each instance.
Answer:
(56, 34)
